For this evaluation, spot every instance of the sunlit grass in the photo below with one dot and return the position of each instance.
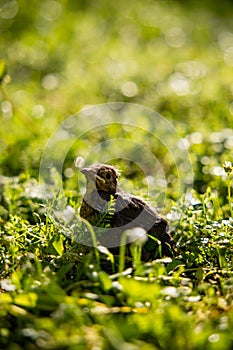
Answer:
(58, 57)
(47, 276)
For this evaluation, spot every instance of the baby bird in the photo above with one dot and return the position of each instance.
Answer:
(128, 212)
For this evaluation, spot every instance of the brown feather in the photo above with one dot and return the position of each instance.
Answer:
(129, 211)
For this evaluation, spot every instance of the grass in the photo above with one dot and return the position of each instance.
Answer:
(172, 57)
(58, 294)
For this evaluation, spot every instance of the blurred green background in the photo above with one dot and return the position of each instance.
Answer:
(175, 57)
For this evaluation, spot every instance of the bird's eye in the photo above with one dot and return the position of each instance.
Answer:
(108, 176)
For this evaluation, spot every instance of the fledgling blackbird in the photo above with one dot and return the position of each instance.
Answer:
(128, 212)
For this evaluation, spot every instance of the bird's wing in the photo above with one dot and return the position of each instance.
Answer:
(130, 209)
(132, 212)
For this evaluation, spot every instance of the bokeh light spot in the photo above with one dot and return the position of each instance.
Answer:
(50, 82)
(175, 37)
(9, 9)
(129, 89)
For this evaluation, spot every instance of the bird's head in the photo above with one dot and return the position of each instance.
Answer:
(101, 177)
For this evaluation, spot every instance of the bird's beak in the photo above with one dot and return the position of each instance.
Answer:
(89, 172)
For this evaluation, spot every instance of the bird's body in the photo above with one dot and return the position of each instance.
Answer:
(128, 212)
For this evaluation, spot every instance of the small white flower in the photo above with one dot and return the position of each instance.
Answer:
(137, 236)
(67, 214)
(79, 162)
